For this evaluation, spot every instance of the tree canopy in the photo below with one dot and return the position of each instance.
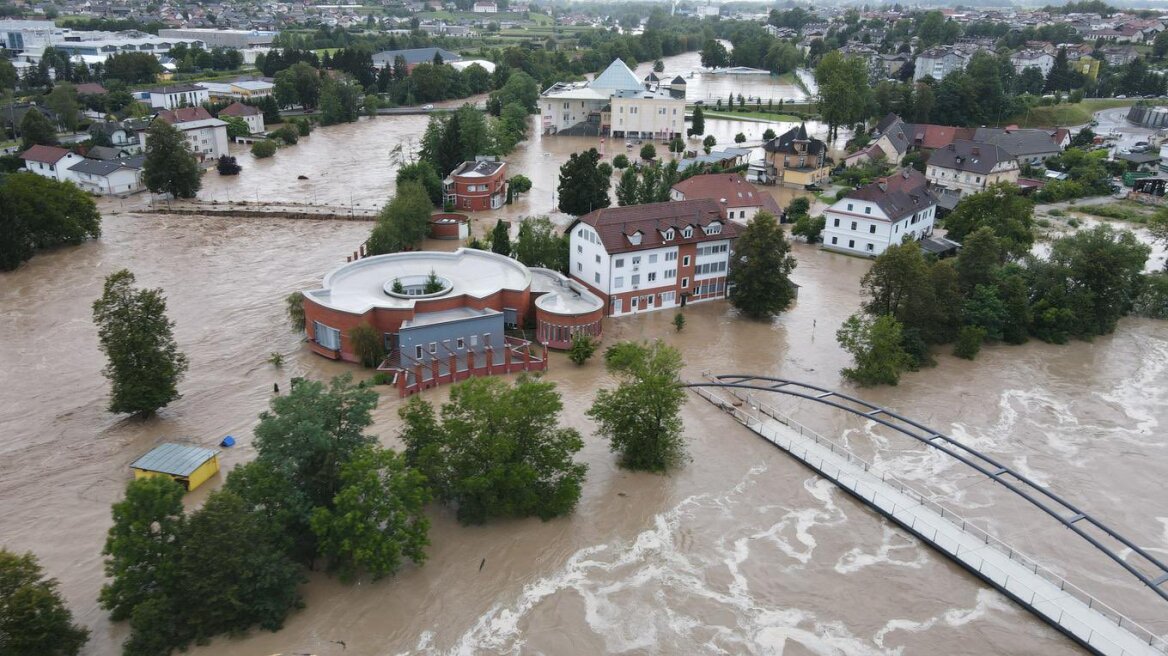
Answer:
(33, 617)
(144, 363)
(39, 213)
(582, 187)
(170, 167)
(760, 269)
(1000, 207)
(404, 221)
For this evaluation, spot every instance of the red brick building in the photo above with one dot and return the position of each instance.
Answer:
(476, 186)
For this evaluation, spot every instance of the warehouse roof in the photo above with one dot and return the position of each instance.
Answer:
(174, 459)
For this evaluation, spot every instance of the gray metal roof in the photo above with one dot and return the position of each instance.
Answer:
(174, 459)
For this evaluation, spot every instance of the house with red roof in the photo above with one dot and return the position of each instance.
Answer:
(870, 219)
(253, 116)
(206, 134)
(656, 256)
(50, 162)
(738, 199)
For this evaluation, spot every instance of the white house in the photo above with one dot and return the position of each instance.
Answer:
(109, 177)
(870, 219)
(50, 162)
(253, 116)
(207, 135)
(486, 8)
(652, 257)
(968, 167)
(179, 95)
(1025, 59)
(939, 62)
(616, 103)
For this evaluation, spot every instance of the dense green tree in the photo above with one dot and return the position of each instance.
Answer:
(697, 123)
(33, 617)
(648, 152)
(233, 571)
(844, 93)
(501, 238)
(877, 349)
(38, 212)
(540, 244)
(299, 84)
(36, 129)
(1105, 266)
(519, 88)
(311, 432)
(404, 221)
(8, 75)
(498, 450)
(1003, 209)
(783, 57)
(980, 257)
(423, 173)
(582, 348)
(132, 67)
(760, 269)
(708, 143)
(63, 101)
(621, 161)
(969, 340)
(642, 416)
(985, 310)
(519, 184)
(142, 547)
(1153, 299)
(263, 149)
(714, 55)
(809, 228)
(170, 167)
(377, 518)
(650, 180)
(340, 100)
(477, 79)
(144, 364)
(368, 344)
(582, 188)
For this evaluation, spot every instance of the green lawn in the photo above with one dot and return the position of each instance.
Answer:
(1069, 113)
(1124, 210)
(755, 116)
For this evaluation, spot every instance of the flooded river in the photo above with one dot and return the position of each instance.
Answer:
(742, 551)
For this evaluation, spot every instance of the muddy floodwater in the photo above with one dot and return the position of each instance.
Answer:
(742, 551)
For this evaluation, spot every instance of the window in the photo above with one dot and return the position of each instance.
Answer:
(872, 229)
(327, 336)
(669, 235)
(685, 283)
(867, 210)
(834, 240)
(636, 261)
(636, 280)
(671, 256)
(835, 223)
(635, 299)
(461, 343)
(418, 352)
(666, 298)
(670, 274)
(685, 261)
(619, 262)
(596, 277)
(849, 207)
(474, 341)
(653, 259)
(851, 243)
(853, 225)
(579, 266)
(598, 259)
(688, 232)
(871, 248)
(433, 348)
(618, 282)
(652, 276)
(579, 248)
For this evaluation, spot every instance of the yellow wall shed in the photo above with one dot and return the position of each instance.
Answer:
(191, 466)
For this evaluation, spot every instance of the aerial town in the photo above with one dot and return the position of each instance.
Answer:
(425, 327)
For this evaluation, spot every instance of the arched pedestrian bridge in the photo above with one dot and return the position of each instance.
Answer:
(1074, 612)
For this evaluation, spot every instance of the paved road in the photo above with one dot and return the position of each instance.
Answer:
(1114, 121)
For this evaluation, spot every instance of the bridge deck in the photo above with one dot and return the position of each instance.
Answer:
(1011, 573)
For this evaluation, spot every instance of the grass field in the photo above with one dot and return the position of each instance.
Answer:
(1069, 113)
(751, 116)
(1124, 210)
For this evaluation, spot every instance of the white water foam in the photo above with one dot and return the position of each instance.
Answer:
(987, 601)
(894, 541)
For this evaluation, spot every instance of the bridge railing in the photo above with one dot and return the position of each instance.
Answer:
(920, 498)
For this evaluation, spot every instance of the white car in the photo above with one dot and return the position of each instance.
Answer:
(427, 107)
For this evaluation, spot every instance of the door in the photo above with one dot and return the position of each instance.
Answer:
(635, 299)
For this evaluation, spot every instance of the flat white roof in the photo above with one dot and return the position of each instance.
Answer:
(358, 287)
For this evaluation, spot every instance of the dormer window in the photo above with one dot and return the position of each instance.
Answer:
(714, 228)
(687, 232)
(669, 235)
(635, 238)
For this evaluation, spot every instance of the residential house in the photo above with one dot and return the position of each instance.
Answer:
(939, 62)
(477, 186)
(109, 177)
(870, 219)
(1119, 55)
(123, 135)
(929, 137)
(207, 135)
(615, 103)
(253, 116)
(1024, 59)
(739, 199)
(178, 95)
(1028, 146)
(50, 162)
(652, 257)
(968, 167)
(890, 143)
(795, 158)
(485, 8)
(90, 89)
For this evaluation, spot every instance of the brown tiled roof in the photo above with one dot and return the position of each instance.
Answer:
(969, 156)
(615, 224)
(90, 89)
(924, 135)
(729, 189)
(184, 114)
(239, 109)
(46, 154)
(904, 192)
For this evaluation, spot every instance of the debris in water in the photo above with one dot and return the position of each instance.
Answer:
(302, 177)
(228, 441)
(481, 564)
(621, 494)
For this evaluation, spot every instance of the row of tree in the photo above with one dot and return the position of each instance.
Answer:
(994, 290)
(38, 213)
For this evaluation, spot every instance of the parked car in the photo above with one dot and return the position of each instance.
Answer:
(427, 107)
(1121, 97)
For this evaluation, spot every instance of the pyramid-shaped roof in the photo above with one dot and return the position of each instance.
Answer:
(617, 77)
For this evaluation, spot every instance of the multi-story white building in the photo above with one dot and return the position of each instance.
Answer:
(50, 162)
(206, 135)
(615, 103)
(179, 95)
(870, 219)
(967, 167)
(939, 62)
(1024, 59)
(651, 257)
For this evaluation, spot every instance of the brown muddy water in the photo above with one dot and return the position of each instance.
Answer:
(742, 551)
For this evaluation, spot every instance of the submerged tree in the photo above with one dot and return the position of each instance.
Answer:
(642, 416)
(877, 348)
(760, 269)
(144, 363)
(582, 187)
(33, 617)
(169, 167)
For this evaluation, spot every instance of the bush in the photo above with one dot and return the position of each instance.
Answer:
(621, 161)
(605, 169)
(288, 134)
(303, 127)
(263, 149)
(648, 152)
(228, 166)
(678, 321)
(383, 378)
(583, 346)
(969, 340)
(739, 138)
